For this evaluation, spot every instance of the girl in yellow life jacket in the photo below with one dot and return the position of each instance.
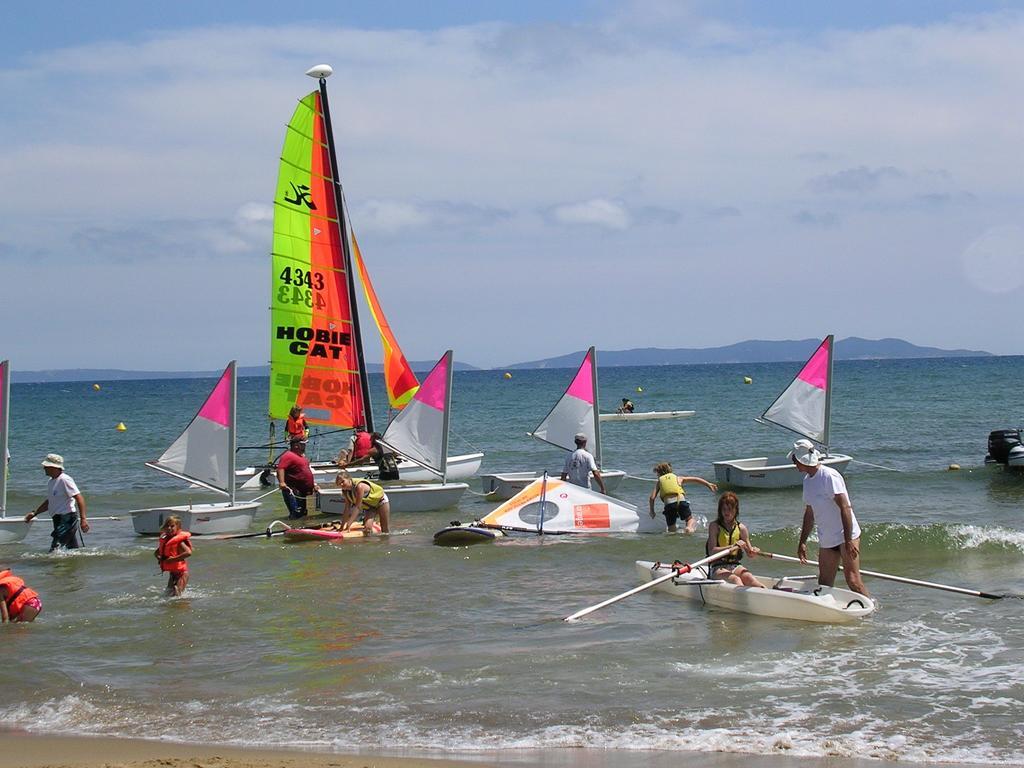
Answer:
(670, 488)
(366, 497)
(727, 532)
(17, 601)
(172, 549)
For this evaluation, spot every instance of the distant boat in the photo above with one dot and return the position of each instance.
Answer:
(12, 529)
(646, 415)
(805, 408)
(1005, 447)
(204, 455)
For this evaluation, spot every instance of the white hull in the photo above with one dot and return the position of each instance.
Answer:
(502, 486)
(460, 467)
(198, 519)
(13, 529)
(795, 599)
(428, 497)
(647, 415)
(762, 472)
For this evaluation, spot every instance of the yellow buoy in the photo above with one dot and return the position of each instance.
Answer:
(508, 375)
(954, 467)
(747, 380)
(639, 389)
(96, 387)
(121, 427)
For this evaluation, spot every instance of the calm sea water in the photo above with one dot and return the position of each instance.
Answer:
(398, 644)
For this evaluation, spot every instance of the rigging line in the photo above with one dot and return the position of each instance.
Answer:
(877, 466)
(463, 439)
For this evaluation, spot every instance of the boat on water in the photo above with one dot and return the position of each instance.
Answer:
(647, 415)
(12, 529)
(317, 360)
(789, 597)
(204, 455)
(460, 467)
(553, 507)
(575, 412)
(804, 407)
(1005, 447)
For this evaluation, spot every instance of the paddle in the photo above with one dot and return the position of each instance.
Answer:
(685, 568)
(902, 579)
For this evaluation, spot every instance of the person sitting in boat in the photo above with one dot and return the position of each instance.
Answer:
(296, 426)
(626, 407)
(363, 449)
(670, 488)
(17, 601)
(728, 533)
(366, 497)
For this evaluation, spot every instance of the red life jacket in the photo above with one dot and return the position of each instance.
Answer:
(362, 445)
(15, 593)
(170, 546)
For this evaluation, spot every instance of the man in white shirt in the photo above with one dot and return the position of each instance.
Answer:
(580, 465)
(827, 502)
(65, 502)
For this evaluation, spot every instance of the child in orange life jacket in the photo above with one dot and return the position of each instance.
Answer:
(296, 426)
(171, 550)
(17, 602)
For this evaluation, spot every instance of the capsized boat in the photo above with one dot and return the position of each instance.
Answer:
(12, 529)
(788, 597)
(575, 412)
(804, 407)
(646, 415)
(204, 455)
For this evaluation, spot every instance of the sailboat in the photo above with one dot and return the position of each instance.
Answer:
(420, 433)
(575, 412)
(316, 342)
(204, 455)
(12, 529)
(805, 408)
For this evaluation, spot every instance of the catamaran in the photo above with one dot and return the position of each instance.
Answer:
(804, 407)
(575, 412)
(12, 529)
(204, 455)
(316, 343)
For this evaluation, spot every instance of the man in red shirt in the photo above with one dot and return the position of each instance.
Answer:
(295, 478)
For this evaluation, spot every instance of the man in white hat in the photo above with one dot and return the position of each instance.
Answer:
(827, 502)
(65, 502)
(580, 465)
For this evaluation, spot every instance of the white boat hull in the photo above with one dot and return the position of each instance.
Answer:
(502, 486)
(13, 529)
(795, 599)
(460, 467)
(762, 472)
(428, 497)
(198, 519)
(647, 415)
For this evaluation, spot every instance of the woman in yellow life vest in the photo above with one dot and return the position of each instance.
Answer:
(366, 497)
(670, 488)
(727, 532)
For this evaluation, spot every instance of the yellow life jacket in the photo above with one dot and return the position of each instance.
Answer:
(371, 500)
(728, 539)
(669, 487)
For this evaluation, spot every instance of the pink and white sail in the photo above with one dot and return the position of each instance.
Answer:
(420, 431)
(804, 405)
(205, 453)
(575, 411)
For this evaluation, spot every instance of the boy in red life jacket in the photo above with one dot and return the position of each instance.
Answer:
(171, 550)
(17, 602)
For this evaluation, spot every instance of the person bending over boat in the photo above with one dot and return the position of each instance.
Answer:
(65, 503)
(670, 488)
(366, 497)
(727, 532)
(17, 601)
(580, 465)
(295, 478)
(827, 502)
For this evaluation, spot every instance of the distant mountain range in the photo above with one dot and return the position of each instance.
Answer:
(851, 348)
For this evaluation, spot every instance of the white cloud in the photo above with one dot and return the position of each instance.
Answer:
(598, 212)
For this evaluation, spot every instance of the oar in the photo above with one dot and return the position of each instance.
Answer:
(902, 579)
(686, 568)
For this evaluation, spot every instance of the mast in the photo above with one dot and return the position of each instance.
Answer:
(321, 72)
(447, 418)
(5, 404)
(592, 353)
(828, 394)
(232, 408)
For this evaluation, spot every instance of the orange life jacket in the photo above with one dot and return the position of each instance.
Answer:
(170, 546)
(15, 593)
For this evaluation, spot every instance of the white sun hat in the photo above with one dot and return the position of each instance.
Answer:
(804, 452)
(54, 460)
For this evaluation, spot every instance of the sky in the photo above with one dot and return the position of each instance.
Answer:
(525, 178)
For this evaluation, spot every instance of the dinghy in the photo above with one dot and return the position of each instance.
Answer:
(575, 412)
(324, 532)
(789, 597)
(804, 407)
(12, 529)
(204, 455)
(647, 415)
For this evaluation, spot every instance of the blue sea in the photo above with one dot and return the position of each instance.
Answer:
(398, 645)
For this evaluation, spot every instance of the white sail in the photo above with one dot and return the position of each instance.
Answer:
(204, 453)
(568, 508)
(575, 412)
(804, 405)
(5, 406)
(420, 431)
